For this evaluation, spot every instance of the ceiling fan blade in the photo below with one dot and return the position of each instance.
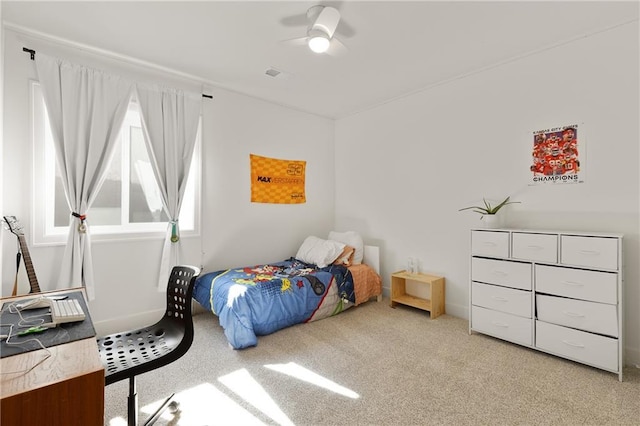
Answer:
(327, 20)
(300, 41)
(295, 20)
(337, 48)
(345, 30)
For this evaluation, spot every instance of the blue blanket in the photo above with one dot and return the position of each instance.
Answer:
(258, 300)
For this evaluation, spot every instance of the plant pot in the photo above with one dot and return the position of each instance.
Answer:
(491, 221)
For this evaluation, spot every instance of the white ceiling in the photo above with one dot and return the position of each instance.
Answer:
(395, 48)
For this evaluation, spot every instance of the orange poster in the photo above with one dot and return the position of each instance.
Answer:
(277, 181)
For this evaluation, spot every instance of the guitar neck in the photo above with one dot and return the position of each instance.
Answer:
(31, 273)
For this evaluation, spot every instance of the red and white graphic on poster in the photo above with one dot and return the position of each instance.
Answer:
(556, 156)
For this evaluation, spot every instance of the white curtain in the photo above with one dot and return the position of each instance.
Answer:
(86, 109)
(170, 125)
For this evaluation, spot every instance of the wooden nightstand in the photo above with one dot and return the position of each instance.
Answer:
(435, 305)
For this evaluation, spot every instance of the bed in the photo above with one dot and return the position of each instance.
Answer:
(257, 300)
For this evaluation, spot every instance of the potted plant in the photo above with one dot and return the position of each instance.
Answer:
(489, 211)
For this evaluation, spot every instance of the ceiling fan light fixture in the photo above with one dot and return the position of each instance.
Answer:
(319, 43)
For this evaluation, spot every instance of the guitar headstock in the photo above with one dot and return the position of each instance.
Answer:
(13, 225)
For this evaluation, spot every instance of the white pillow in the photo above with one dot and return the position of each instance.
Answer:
(319, 252)
(353, 239)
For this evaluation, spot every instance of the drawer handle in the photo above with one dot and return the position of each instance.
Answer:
(489, 244)
(501, 273)
(590, 252)
(573, 283)
(573, 314)
(500, 299)
(532, 247)
(575, 345)
(500, 324)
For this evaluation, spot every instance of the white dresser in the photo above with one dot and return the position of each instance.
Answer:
(557, 292)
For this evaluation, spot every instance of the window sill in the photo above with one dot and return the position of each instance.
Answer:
(96, 238)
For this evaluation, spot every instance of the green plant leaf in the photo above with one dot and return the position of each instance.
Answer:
(499, 206)
(478, 209)
(488, 209)
(504, 203)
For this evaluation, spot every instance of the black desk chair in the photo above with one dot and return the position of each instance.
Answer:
(128, 354)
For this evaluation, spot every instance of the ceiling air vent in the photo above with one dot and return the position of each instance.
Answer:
(272, 72)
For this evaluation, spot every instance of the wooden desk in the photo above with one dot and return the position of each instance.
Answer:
(65, 390)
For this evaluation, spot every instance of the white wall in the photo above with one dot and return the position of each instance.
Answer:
(237, 232)
(234, 231)
(405, 168)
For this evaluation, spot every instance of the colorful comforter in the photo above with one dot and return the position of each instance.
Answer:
(258, 300)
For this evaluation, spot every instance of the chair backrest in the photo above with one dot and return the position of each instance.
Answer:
(177, 315)
(134, 352)
(179, 295)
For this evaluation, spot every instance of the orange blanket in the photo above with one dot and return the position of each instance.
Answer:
(366, 281)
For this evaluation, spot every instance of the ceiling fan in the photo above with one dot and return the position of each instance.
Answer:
(322, 22)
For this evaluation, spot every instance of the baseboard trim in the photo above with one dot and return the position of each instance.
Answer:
(138, 320)
(632, 357)
(129, 322)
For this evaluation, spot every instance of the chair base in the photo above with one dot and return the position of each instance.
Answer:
(132, 403)
(132, 406)
(168, 403)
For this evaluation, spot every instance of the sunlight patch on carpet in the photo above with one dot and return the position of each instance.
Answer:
(201, 404)
(118, 421)
(244, 385)
(297, 371)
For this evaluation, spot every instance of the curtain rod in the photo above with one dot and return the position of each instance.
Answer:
(32, 54)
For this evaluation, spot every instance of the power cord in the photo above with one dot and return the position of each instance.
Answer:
(46, 356)
(31, 322)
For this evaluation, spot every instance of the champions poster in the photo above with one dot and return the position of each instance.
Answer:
(277, 181)
(557, 155)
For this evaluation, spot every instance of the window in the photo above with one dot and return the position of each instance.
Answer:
(129, 202)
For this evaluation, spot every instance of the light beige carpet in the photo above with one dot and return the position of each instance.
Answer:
(374, 365)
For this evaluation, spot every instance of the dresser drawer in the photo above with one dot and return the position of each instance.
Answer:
(593, 252)
(537, 247)
(505, 326)
(490, 243)
(503, 299)
(589, 316)
(598, 351)
(501, 272)
(595, 286)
